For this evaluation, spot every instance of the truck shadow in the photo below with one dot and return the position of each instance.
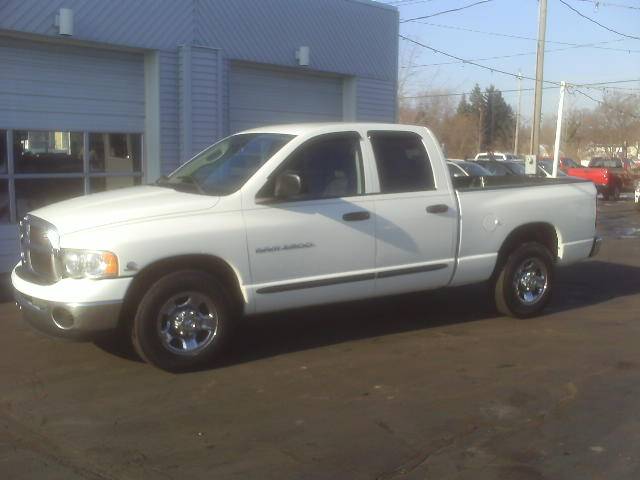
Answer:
(582, 285)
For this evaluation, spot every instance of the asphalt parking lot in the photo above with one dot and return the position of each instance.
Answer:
(415, 387)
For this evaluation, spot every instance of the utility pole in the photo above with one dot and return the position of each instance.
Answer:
(515, 143)
(480, 129)
(556, 149)
(537, 108)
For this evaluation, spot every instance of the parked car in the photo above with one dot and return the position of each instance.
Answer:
(497, 156)
(292, 216)
(503, 167)
(462, 168)
(545, 168)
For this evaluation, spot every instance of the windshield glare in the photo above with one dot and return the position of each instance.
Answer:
(516, 168)
(475, 170)
(224, 167)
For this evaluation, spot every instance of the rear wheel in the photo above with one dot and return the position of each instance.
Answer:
(523, 286)
(183, 321)
(615, 193)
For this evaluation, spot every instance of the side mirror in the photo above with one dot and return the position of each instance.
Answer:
(287, 185)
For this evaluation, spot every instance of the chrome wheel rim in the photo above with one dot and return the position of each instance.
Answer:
(187, 323)
(531, 281)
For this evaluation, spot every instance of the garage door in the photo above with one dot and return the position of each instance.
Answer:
(60, 87)
(71, 123)
(262, 96)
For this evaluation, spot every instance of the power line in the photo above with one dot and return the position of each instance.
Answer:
(606, 105)
(446, 11)
(514, 90)
(596, 22)
(523, 54)
(608, 82)
(460, 94)
(519, 37)
(471, 62)
(598, 3)
(515, 75)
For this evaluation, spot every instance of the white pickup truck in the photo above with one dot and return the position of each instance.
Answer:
(291, 216)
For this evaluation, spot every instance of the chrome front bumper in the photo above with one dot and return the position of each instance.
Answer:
(68, 318)
(597, 243)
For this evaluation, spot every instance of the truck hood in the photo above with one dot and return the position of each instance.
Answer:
(121, 206)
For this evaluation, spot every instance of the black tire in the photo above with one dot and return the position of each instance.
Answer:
(146, 332)
(615, 193)
(506, 293)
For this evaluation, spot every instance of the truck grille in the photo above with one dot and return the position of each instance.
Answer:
(39, 258)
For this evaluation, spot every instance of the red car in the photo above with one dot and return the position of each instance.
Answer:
(610, 175)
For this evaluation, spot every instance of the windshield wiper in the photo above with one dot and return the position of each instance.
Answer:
(186, 179)
(184, 183)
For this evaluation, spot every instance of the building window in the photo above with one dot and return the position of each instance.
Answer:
(42, 167)
(47, 152)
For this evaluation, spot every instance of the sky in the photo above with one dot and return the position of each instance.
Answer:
(520, 18)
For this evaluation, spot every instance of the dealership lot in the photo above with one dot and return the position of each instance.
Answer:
(423, 386)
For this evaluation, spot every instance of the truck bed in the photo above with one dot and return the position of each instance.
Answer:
(491, 208)
(500, 182)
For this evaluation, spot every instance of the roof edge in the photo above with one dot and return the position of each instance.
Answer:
(376, 4)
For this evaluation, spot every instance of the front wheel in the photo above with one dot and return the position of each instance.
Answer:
(183, 321)
(523, 286)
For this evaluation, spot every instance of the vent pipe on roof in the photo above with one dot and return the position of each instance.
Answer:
(64, 22)
(302, 55)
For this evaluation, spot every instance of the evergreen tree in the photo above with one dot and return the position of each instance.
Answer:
(464, 108)
(499, 121)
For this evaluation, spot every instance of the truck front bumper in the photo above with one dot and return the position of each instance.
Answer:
(58, 318)
(71, 307)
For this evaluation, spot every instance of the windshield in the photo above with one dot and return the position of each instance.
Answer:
(606, 163)
(547, 168)
(516, 168)
(570, 163)
(224, 167)
(475, 170)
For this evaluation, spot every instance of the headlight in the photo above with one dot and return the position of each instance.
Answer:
(89, 264)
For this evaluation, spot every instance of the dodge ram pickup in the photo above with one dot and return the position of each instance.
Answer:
(292, 216)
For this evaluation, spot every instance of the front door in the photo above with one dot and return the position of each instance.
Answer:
(317, 246)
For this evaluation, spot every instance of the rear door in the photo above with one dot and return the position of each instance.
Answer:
(416, 214)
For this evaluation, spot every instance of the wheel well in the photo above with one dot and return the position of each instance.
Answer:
(543, 233)
(215, 266)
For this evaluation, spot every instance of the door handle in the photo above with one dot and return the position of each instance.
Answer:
(356, 216)
(440, 208)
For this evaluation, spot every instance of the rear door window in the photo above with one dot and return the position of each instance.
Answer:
(402, 161)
